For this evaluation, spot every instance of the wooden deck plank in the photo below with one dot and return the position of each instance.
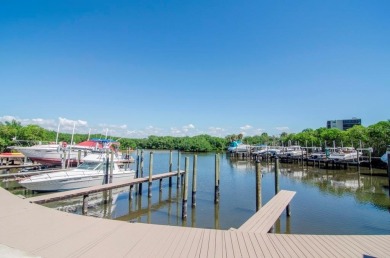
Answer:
(274, 251)
(242, 244)
(236, 244)
(120, 241)
(380, 240)
(169, 241)
(285, 249)
(192, 244)
(198, 250)
(250, 245)
(175, 247)
(344, 251)
(304, 249)
(297, 249)
(368, 244)
(204, 244)
(259, 245)
(211, 245)
(219, 243)
(229, 252)
(265, 218)
(315, 246)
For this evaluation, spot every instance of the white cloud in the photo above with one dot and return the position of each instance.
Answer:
(282, 128)
(216, 131)
(246, 127)
(187, 128)
(9, 119)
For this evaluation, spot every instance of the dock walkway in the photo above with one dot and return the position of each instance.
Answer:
(40, 231)
(263, 220)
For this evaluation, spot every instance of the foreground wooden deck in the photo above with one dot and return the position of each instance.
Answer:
(45, 232)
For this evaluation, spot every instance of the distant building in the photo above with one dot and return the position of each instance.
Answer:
(343, 124)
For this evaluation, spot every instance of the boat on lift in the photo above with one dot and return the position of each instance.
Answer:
(345, 154)
(384, 157)
(238, 147)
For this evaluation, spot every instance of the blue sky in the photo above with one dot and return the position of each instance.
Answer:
(180, 68)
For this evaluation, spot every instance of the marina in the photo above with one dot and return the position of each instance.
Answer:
(211, 221)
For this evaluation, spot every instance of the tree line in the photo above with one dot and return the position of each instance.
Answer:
(376, 136)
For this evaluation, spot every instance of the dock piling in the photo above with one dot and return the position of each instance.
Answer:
(194, 176)
(258, 185)
(170, 167)
(141, 171)
(185, 189)
(150, 174)
(85, 204)
(178, 169)
(111, 166)
(276, 174)
(216, 192)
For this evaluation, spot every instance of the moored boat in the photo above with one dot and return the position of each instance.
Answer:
(91, 172)
(345, 154)
(54, 154)
(238, 146)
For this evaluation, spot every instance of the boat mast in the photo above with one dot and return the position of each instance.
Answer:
(58, 132)
(70, 146)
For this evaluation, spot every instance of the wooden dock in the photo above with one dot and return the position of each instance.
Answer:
(29, 230)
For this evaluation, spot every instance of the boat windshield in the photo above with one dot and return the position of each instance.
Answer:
(90, 165)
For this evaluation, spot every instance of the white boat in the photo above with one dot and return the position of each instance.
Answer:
(345, 153)
(91, 172)
(293, 151)
(54, 154)
(384, 157)
(238, 146)
(266, 150)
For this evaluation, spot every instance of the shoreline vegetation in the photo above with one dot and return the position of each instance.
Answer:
(376, 136)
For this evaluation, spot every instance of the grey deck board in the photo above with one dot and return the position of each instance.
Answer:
(315, 246)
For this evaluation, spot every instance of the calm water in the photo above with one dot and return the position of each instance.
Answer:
(326, 202)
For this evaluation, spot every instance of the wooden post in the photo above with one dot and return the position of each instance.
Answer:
(258, 185)
(63, 161)
(178, 169)
(194, 176)
(85, 204)
(111, 166)
(369, 155)
(150, 175)
(78, 157)
(141, 171)
(288, 210)
(170, 167)
(137, 170)
(106, 172)
(131, 192)
(185, 190)
(388, 169)
(216, 192)
(358, 158)
(276, 175)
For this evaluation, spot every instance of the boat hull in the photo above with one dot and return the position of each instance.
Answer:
(73, 182)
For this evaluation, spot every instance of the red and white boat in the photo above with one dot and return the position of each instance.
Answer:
(53, 154)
